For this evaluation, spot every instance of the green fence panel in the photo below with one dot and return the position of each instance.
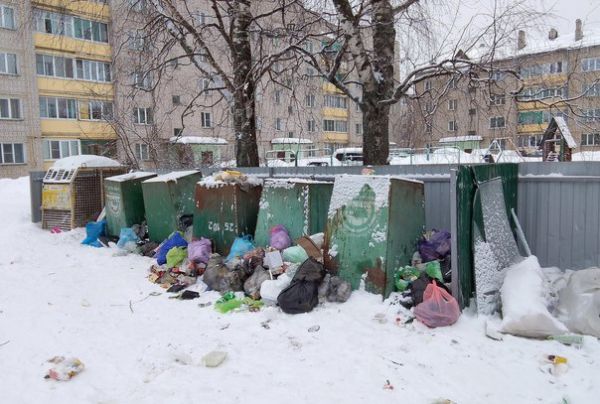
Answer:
(301, 206)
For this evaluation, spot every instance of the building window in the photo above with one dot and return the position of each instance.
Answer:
(472, 112)
(452, 126)
(58, 149)
(359, 129)
(536, 117)
(427, 85)
(61, 24)
(136, 41)
(542, 69)
(591, 90)
(428, 128)
(278, 124)
(497, 122)
(58, 108)
(177, 132)
(89, 70)
(290, 134)
(330, 125)
(277, 97)
(10, 108)
(590, 139)
(310, 100)
(201, 18)
(7, 17)
(138, 5)
(204, 84)
(528, 141)
(590, 65)
(90, 30)
(308, 46)
(176, 100)
(142, 80)
(310, 71)
(95, 110)
(206, 119)
(497, 99)
(452, 105)
(311, 125)
(590, 115)
(452, 83)
(143, 116)
(8, 63)
(335, 101)
(12, 153)
(535, 93)
(142, 152)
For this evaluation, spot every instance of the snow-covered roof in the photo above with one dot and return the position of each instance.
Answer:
(131, 176)
(84, 161)
(565, 131)
(536, 45)
(174, 176)
(460, 139)
(291, 140)
(197, 140)
(347, 150)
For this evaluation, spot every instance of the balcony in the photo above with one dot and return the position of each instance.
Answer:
(335, 137)
(534, 105)
(79, 47)
(335, 112)
(548, 80)
(76, 129)
(90, 9)
(74, 88)
(330, 88)
(532, 127)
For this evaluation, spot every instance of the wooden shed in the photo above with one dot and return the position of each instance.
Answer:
(557, 144)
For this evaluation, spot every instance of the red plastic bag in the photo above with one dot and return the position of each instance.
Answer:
(438, 308)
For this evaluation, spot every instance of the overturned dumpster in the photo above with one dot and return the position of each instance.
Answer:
(226, 210)
(374, 223)
(300, 205)
(124, 200)
(169, 202)
(72, 190)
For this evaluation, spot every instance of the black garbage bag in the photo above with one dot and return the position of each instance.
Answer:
(303, 293)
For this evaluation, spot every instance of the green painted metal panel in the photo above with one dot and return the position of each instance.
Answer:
(469, 215)
(225, 211)
(373, 227)
(124, 201)
(166, 199)
(301, 206)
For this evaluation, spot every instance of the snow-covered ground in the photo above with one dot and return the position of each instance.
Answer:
(61, 298)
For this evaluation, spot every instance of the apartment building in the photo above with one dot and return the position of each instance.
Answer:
(559, 77)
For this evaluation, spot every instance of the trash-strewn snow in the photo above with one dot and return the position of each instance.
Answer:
(61, 298)
(84, 160)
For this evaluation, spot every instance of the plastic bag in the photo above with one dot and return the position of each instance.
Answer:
(334, 289)
(436, 247)
(126, 236)
(218, 277)
(295, 254)
(438, 309)
(240, 246)
(199, 250)
(580, 302)
(65, 369)
(404, 276)
(270, 289)
(433, 269)
(94, 230)
(176, 256)
(280, 238)
(227, 303)
(174, 240)
(254, 282)
(303, 293)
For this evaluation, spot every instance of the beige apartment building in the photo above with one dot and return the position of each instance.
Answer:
(560, 76)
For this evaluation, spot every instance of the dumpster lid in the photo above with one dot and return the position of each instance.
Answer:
(131, 176)
(174, 176)
(290, 182)
(84, 161)
(197, 140)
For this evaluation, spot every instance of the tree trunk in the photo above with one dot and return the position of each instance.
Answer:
(376, 122)
(244, 105)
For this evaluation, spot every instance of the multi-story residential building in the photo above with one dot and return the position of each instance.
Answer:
(75, 78)
(559, 76)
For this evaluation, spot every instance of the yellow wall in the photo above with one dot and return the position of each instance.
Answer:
(89, 9)
(77, 88)
(76, 129)
(335, 137)
(532, 127)
(330, 88)
(335, 113)
(79, 47)
(537, 105)
(547, 80)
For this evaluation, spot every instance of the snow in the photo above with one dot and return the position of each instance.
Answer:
(130, 176)
(61, 298)
(198, 140)
(291, 140)
(460, 139)
(347, 187)
(174, 176)
(565, 131)
(84, 161)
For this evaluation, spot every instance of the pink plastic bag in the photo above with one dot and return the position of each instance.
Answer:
(280, 237)
(438, 308)
(199, 250)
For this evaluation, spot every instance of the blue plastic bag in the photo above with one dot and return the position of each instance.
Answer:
(174, 240)
(240, 246)
(93, 230)
(127, 235)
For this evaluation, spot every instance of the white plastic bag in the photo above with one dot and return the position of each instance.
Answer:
(579, 302)
(270, 289)
(524, 308)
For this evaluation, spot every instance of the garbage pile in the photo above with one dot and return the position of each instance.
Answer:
(290, 276)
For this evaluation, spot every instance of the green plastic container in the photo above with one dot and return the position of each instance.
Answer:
(167, 198)
(225, 211)
(301, 206)
(124, 201)
(373, 226)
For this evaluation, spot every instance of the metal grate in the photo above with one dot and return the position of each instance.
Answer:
(57, 218)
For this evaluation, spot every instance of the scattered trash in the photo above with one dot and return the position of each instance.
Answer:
(55, 230)
(214, 359)
(241, 245)
(380, 318)
(273, 259)
(295, 254)
(556, 359)
(580, 302)
(388, 385)
(206, 304)
(188, 295)
(93, 231)
(176, 288)
(310, 247)
(335, 289)
(280, 237)
(175, 240)
(265, 325)
(301, 296)
(127, 237)
(418, 287)
(555, 365)
(199, 251)
(318, 239)
(568, 339)
(435, 245)
(175, 256)
(404, 276)
(433, 270)
(65, 369)
(220, 278)
(492, 332)
(228, 302)
(255, 281)
(314, 328)
(270, 289)
(438, 308)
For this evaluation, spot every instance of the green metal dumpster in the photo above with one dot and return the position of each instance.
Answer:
(373, 226)
(300, 205)
(124, 201)
(225, 211)
(168, 198)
